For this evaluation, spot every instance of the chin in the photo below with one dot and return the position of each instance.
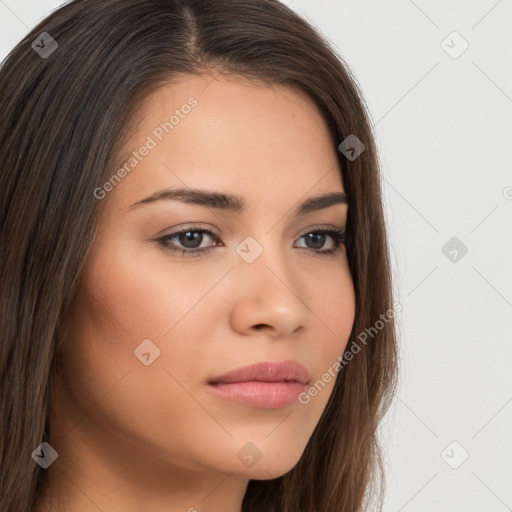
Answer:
(267, 469)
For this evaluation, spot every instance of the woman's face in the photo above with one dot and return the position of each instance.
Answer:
(151, 327)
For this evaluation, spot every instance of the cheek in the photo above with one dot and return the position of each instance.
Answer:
(334, 313)
(337, 304)
(127, 298)
(142, 291)
(333, 306)
(118, 307)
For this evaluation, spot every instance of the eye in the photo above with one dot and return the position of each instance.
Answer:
(191, 240)
(317, 239)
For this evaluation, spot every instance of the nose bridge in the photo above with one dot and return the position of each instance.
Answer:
(263, 264)
(261, 249)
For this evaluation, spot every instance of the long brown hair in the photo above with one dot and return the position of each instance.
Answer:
(65, 112)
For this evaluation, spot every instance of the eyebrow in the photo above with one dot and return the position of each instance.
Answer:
(237, 204)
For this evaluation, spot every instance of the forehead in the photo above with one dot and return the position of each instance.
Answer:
(228, 133)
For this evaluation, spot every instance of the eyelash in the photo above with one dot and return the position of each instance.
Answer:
(338, 235)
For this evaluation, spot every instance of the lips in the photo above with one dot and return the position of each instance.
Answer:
(267, 385)
(266, 371)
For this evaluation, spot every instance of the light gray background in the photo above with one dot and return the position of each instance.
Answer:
(444, 129)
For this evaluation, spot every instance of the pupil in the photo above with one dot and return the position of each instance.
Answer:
(317, 235)
(190, 236)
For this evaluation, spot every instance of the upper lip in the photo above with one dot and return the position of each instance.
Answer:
(266, 371)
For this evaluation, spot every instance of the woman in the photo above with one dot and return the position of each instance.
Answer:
(193, 253)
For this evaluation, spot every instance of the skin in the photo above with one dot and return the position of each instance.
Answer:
(132, 437)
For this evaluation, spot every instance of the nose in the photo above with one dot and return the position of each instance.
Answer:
(269, 296)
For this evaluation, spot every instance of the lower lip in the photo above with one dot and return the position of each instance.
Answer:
(269, 395)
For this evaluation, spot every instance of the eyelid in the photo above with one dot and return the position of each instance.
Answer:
(321, 227)
(189, 227)
(337, 234)
(207, 227)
